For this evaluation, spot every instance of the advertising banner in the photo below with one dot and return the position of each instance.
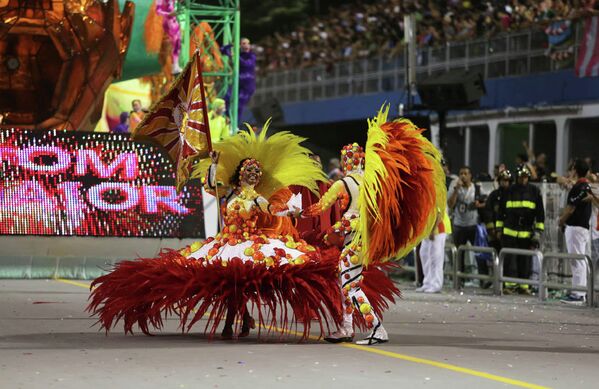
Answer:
(92, 184)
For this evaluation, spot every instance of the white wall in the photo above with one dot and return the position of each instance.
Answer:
(505, 116)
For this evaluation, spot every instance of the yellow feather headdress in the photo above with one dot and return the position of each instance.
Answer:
(402, 191)
(284, 161)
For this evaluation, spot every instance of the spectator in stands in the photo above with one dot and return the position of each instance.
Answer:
(566, 181)
(522, 159)
(497, 169)
(538, 163)
(462, 200)
(334, 164)
(575, 219)
(335, 175)
(362, 29)
(136, 115)
(219, 124)
(522, 220)
(316, 157)
(123, 126)
(591, 163)
(334, 170)
(484, 177)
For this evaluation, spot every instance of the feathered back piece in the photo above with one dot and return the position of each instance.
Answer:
(402, 191)
(153, 30)
(284, 161)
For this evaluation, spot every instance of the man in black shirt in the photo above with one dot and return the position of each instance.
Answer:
(575, 217)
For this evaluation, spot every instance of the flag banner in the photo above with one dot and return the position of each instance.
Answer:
(587, 64)
(179, 122)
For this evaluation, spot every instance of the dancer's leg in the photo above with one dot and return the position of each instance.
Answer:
(248, 323)
(346, 331)
(227, 333)
(354, 298)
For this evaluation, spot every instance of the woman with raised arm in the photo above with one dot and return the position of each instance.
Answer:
(255, 263)
(392, 191)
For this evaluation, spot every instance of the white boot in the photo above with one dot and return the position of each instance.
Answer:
(342, 335)
(378, 335)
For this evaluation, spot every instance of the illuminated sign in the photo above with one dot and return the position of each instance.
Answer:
(92, 184)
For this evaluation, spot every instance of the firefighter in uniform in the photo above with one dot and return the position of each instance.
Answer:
(493, 207)
(521, 220)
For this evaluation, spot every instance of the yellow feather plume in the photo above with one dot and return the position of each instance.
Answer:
(402, 191)
(284, 161)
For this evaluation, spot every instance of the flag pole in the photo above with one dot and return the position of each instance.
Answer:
(207, 124)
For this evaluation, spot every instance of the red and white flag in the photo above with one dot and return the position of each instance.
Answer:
(587, 64)
(179, 121)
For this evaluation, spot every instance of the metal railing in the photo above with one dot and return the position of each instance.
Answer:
(590, 288)
(461, 251)
(449, 247)
(510, 54)
(47, 267)
(500, 278)
(453, 255)
(412, 269)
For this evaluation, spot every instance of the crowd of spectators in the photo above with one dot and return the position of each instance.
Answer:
(362, 29)
(524, 218)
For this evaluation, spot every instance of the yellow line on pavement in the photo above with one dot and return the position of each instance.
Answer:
(441, 365)
(391, 354)
(80, 284)
(446, 366)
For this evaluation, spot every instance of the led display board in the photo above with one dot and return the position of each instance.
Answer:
(92, 184)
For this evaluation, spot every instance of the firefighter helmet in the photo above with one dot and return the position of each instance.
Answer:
(505, 175)
(522, 170)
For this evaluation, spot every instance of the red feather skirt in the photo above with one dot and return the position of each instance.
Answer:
(146, 291)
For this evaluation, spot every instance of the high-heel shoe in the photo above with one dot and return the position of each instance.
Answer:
(227, 333)
(246, 327)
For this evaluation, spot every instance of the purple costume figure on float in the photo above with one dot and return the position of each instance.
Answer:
(166, 9)
(247, 76)
(123, 126)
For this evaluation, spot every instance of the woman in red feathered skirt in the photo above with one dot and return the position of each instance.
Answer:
(256, 263)
(251, 262)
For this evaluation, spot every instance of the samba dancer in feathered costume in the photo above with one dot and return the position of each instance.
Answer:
(254, 260)
(394, 191)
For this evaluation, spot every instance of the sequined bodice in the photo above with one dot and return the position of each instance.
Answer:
(241, 214)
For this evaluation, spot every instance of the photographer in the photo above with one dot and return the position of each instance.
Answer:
(464, 200)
